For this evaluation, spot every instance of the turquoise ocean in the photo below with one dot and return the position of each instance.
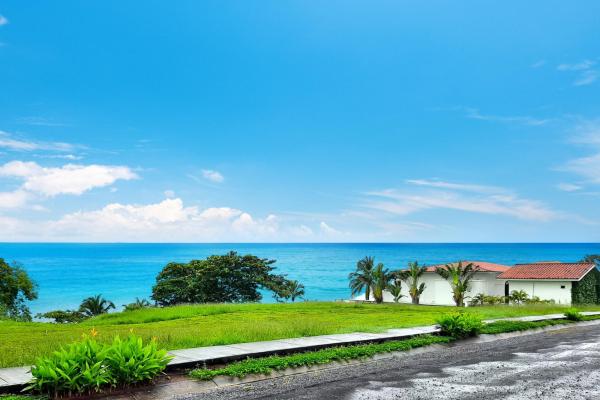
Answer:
(67, 273)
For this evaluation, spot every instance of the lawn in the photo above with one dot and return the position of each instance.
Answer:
(205, 325)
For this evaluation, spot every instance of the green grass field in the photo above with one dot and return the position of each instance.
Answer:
(205, 325)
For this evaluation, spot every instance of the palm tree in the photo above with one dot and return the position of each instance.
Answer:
(412, 276)
(459, 277)
(295, 290)
(362, 278)
(395, 289)
(137, 304)
(96, 305)
(381, 281)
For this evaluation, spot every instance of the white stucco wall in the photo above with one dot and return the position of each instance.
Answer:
(545, 290)
(438, 292)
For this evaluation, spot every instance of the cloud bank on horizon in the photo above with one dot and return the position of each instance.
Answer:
(280, 124)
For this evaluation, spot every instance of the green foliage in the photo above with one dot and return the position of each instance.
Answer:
(362, 278)
(481, 299)
(138, 304)
(289, 290)
(63, 317)
(229, 278)
(275, 363)
(460, 325)
(460, 278)
(16, 288)
(573, 314)
(586, 290)
(95, 305)
(518, 297)
(89, 366)
(494, 328)
(592, 258)
(395, 289)
(412, 277)
(381, 280)
(537, 300)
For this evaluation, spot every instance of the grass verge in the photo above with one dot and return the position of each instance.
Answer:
(267, 365)
(515, 326)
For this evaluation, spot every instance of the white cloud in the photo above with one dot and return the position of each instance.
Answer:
(169, 194)
(568, 187)
(16, 199)
(455, 186)
(3, 20)
(586, 72)
(473, 113)
(7, 141)
(328, 230)
(462, 197)
(212, 175)
(68, 179)
(588, 135)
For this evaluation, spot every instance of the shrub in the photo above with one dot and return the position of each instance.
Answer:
(63, 316)
(477, 300)
(518, 296)
(460, 325)
(88, 366)
(572, 314)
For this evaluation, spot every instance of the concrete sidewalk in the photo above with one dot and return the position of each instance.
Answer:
(15, 378)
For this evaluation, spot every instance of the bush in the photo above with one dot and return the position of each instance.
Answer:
(89, 366)
(518, 297)
(460, 325)
(572, 314)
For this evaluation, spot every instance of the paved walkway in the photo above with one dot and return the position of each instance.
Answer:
(19, 376)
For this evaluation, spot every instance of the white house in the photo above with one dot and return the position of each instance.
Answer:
(565, 283)
(438, 291)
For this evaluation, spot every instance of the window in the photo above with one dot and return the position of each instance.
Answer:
(562, 286)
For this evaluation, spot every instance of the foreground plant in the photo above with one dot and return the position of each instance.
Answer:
(88, 366)
(573, 314)
(460, 325)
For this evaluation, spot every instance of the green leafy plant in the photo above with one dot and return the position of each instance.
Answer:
(89, 366)
(16, 288)
(381, 280)
(460, 325)
(518, 297)
(395, 289)
(412, 276)
(459, 276)
(96, 305)
(573, 314)
(362, 278)
(138, 304)
(63, 316)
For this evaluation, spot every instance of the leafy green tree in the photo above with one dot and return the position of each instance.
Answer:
(519, 296)
(592, 258)
(63, 316)
(381, 281)
(295, 290)
(412, 276)
(362, 278)
(459, 277)
(95, 305)
(16, 288)
(395, 289)
(228, 278)
(137, 304)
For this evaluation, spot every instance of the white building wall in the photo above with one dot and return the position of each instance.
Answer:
(559, 291)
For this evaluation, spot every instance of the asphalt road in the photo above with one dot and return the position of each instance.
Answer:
(562, 364)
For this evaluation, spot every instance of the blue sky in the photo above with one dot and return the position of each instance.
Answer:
(300, 121)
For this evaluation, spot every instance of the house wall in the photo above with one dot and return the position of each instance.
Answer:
(438, 291)
(545, 290)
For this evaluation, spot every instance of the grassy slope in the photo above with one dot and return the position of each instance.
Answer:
(204, 325)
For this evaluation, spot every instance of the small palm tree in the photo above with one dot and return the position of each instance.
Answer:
(295, 290)
(395, 289)
(518, 296)
(95, 305)
(362, 278)
(459, 277)
(137, 304)
(381, 281)
(412, 276)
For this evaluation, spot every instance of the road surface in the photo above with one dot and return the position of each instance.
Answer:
(562, 364)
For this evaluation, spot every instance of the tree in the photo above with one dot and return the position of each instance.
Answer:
(459, 277)
(63, 316)
(16, 288)
(519, 296)
(137, 304)
(228, 278)
(381, 281)
(295, 290)
(395, 289)
(411, 277)
(95, 305)
(362, 278)
(592, 258)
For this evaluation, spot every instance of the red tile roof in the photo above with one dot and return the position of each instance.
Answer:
(549, 270)
(481, 265)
